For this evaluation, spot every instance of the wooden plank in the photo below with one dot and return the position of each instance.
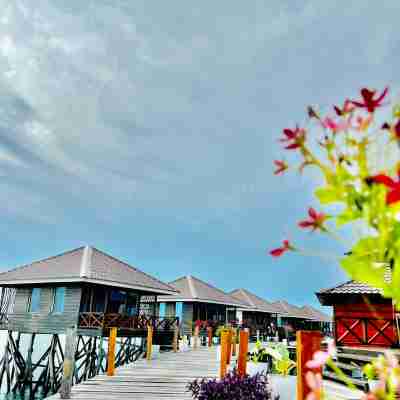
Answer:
(164, 377)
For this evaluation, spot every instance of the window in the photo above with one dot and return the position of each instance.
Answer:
(58, 300)
(34, 301)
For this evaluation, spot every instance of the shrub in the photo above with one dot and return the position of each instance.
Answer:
(232, 387)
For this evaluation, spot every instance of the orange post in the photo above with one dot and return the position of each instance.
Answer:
(149, 348)
(209, 335)
(224, 353)
(307, 343)
(112, 340)
(243, 350)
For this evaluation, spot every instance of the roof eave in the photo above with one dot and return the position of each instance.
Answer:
(22, 282)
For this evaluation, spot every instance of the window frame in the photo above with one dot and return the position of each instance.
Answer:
(29, 305)
(53, 303)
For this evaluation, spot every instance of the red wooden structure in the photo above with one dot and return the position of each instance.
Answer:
(362, 317)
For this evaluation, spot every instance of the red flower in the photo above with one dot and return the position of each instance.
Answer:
(280, 250)
(282, 166)
(316, 220)
(368, 99)
(393, 195)
(295, 138)
(347, 108)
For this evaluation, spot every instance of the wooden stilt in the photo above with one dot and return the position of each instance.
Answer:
(68, 367)
(112, 340)
(243, 350)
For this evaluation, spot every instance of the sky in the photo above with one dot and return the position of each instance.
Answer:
(148, 130)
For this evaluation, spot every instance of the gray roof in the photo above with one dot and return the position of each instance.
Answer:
(253, 302)
(192, 289)
(316, 314)
(289, 310)
(351, 287)
(85, 264)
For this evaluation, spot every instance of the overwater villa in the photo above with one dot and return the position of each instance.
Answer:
(259, 315)
(199, 301)
(361, 315)
(85, 288)
(318, 320)
(291, 318)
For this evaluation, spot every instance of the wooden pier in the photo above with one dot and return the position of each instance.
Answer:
(164, 377)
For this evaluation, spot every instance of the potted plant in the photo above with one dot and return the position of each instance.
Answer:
(371, 374)
(280, 366)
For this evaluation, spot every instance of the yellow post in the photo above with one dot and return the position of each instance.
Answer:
(229, 346)
(175, 339)
(234, 341)
(112, 340)
(149, 342)
(243, 350)
(224, 353)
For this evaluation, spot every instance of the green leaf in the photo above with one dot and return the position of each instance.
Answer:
(348, 215)
(327, 195)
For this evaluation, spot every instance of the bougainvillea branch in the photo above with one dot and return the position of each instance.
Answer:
(361, 192)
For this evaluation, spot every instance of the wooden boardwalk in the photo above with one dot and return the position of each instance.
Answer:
(165, 377)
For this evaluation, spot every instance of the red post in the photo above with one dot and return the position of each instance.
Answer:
(243, 350)
(307, 343)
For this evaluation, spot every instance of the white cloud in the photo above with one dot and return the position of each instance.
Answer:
(133, 105)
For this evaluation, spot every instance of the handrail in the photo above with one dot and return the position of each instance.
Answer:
(98, 320)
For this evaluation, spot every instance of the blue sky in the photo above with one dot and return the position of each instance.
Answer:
(148, 129)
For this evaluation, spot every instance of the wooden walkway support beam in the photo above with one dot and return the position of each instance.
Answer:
(307, 343)
(243, 350)
(112, 340)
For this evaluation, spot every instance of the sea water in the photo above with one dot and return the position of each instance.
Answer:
(41, 343)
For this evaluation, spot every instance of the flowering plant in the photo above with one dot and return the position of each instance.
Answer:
(232, 387)
(356, 151)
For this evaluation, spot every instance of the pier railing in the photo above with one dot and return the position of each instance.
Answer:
(98, 320)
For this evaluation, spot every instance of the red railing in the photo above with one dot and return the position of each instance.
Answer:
(96, 320)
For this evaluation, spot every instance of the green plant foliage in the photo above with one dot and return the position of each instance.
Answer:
(365, 194)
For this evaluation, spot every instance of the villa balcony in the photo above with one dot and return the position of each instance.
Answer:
(134, 325)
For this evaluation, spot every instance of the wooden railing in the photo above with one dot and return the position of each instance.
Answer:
(96, 320)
